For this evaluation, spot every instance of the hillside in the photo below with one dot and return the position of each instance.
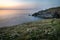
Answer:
(48, 13)
(47, 29)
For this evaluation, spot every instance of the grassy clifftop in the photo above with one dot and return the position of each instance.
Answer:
(47, 29)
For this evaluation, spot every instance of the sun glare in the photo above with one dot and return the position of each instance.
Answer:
(7, 3)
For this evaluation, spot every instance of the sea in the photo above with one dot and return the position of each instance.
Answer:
(15, 17)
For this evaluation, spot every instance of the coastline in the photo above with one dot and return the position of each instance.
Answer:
(48, 13)
(32, 30)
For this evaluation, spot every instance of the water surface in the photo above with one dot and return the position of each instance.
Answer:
(15, 17)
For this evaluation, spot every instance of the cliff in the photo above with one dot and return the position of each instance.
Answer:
(48, 13)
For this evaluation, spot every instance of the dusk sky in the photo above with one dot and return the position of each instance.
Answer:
(33, 4)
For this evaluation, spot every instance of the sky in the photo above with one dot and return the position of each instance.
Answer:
(29, 4)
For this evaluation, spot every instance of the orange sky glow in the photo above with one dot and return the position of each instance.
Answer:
(14, 4)
(9, 4)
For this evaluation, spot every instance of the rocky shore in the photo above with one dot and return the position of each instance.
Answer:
(48, 13)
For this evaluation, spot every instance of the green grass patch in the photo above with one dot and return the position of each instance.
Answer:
(47, 29)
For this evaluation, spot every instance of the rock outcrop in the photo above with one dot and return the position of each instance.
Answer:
(48, 13)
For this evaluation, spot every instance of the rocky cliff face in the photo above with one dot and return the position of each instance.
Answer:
(48, 13)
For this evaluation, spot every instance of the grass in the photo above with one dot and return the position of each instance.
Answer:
(47, 29)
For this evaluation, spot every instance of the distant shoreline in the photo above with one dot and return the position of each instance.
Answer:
(48, 13)
(17, 9)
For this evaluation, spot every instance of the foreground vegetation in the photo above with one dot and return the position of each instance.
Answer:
(47, 29)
